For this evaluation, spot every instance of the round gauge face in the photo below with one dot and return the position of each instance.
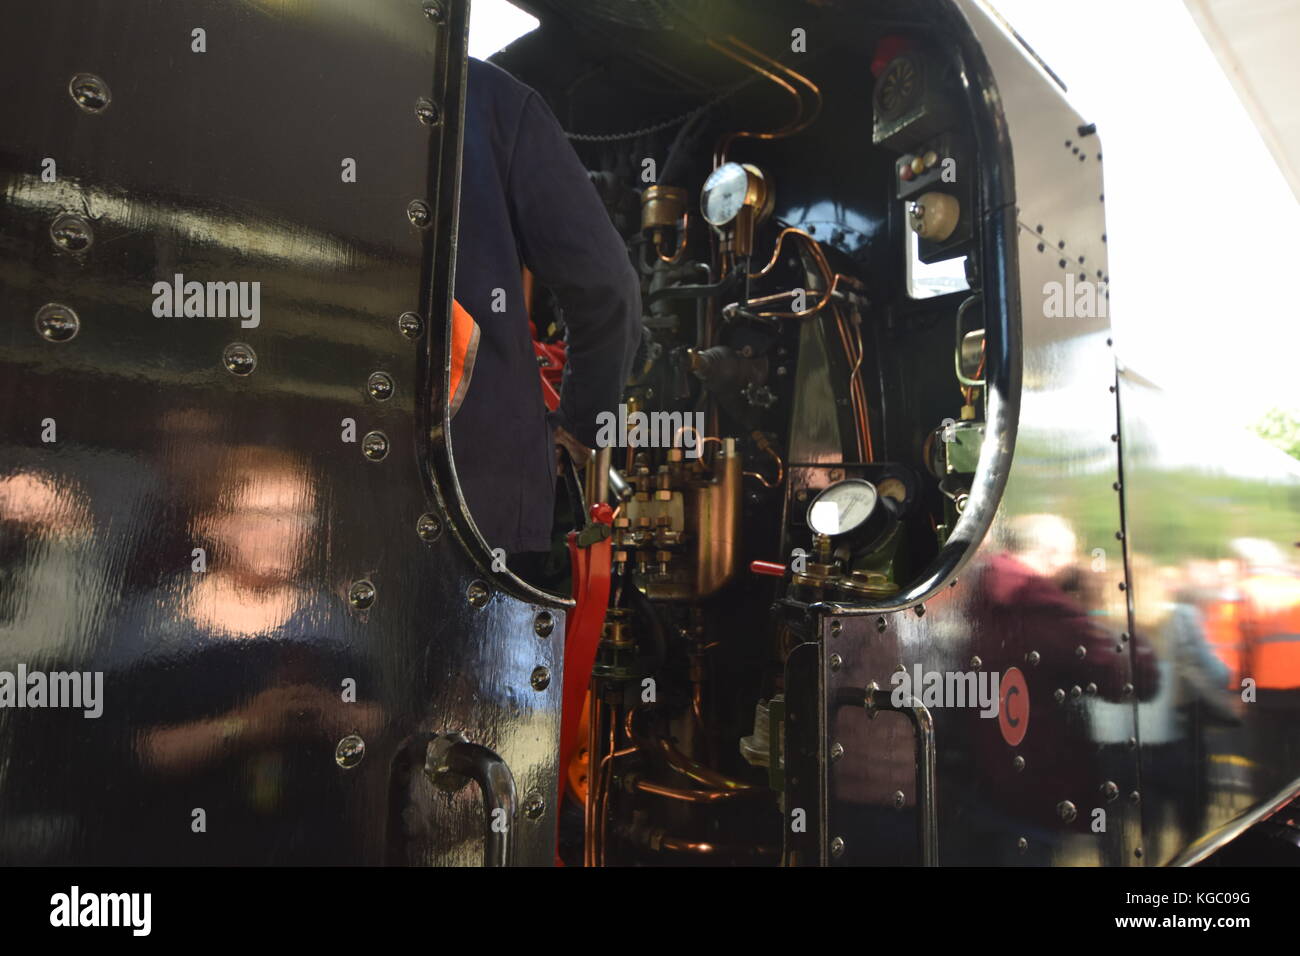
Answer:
(843, 507)
(724, 194)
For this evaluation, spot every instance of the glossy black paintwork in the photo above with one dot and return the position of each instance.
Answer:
(226, 689)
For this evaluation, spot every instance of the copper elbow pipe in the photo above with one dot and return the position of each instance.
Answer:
(683, 764)
(690, 796)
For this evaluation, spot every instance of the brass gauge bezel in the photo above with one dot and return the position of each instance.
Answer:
(759, 196)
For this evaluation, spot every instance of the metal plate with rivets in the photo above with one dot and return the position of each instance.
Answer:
(217, 508)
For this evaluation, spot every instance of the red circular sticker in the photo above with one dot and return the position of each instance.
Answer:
(1013, 706)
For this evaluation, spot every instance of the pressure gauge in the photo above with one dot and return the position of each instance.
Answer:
(733, 188)
(843, 508)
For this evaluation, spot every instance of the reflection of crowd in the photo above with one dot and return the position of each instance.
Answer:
(1042, 607)
(1252, 610)
(1212, 663)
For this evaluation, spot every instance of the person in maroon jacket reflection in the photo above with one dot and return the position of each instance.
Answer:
(1043, 611)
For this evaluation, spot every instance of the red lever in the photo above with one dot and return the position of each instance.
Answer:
(767, 567)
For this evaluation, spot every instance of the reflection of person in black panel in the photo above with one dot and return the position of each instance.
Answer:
(1036, 610)
(526, 200)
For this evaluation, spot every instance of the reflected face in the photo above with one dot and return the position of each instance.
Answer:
(265, 519)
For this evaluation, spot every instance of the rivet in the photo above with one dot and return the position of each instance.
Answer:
(900, 799)
(375, 446)
(881, 624)
(72, 233)
(837, 751)
(1081, 652)
(1058, 695)
(1119, 535)
(1018, 764)
(380, 386)
(920, 610)
(976, 662)
(1066, 811)
(1110, 790)
(428, 527)
(837, 847)
(836, 662)
(1022, 845)
(1032, 658)
(836, 627)
(426, 112)
(1116, 485)
(1124, 636)
(1126, 690)
(1076, 692)
(349, 751)
(544, 624)
(1132, 743)
(410, 325)
(534, 805)
(1123, 586)
(361, 595)
(541, 678)
(417, 210)
(477, 594)
(1138, 853)
(57, 323)
(239, 358)
(435, 10)
(90, 92)
(1090, 689)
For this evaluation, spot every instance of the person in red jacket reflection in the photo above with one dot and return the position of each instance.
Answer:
(1042, 609)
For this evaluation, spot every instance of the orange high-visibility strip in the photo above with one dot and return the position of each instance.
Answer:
(464, 349)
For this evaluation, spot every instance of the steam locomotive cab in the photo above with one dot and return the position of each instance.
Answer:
(880, 559)
(816, 199)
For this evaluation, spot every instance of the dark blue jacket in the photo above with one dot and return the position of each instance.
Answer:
(527, 200)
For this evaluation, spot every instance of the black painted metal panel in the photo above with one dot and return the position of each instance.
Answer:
(221, 514)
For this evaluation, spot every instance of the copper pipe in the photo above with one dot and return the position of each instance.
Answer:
(856, 392)
(780, 469)
(683, 764)
(675, 844)
(825, 299)
(776, 252)
(692, 796)
(683, 232)
(607, 773)
(589, 806)
(725, 141)
(796, 125)
(694, 770)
